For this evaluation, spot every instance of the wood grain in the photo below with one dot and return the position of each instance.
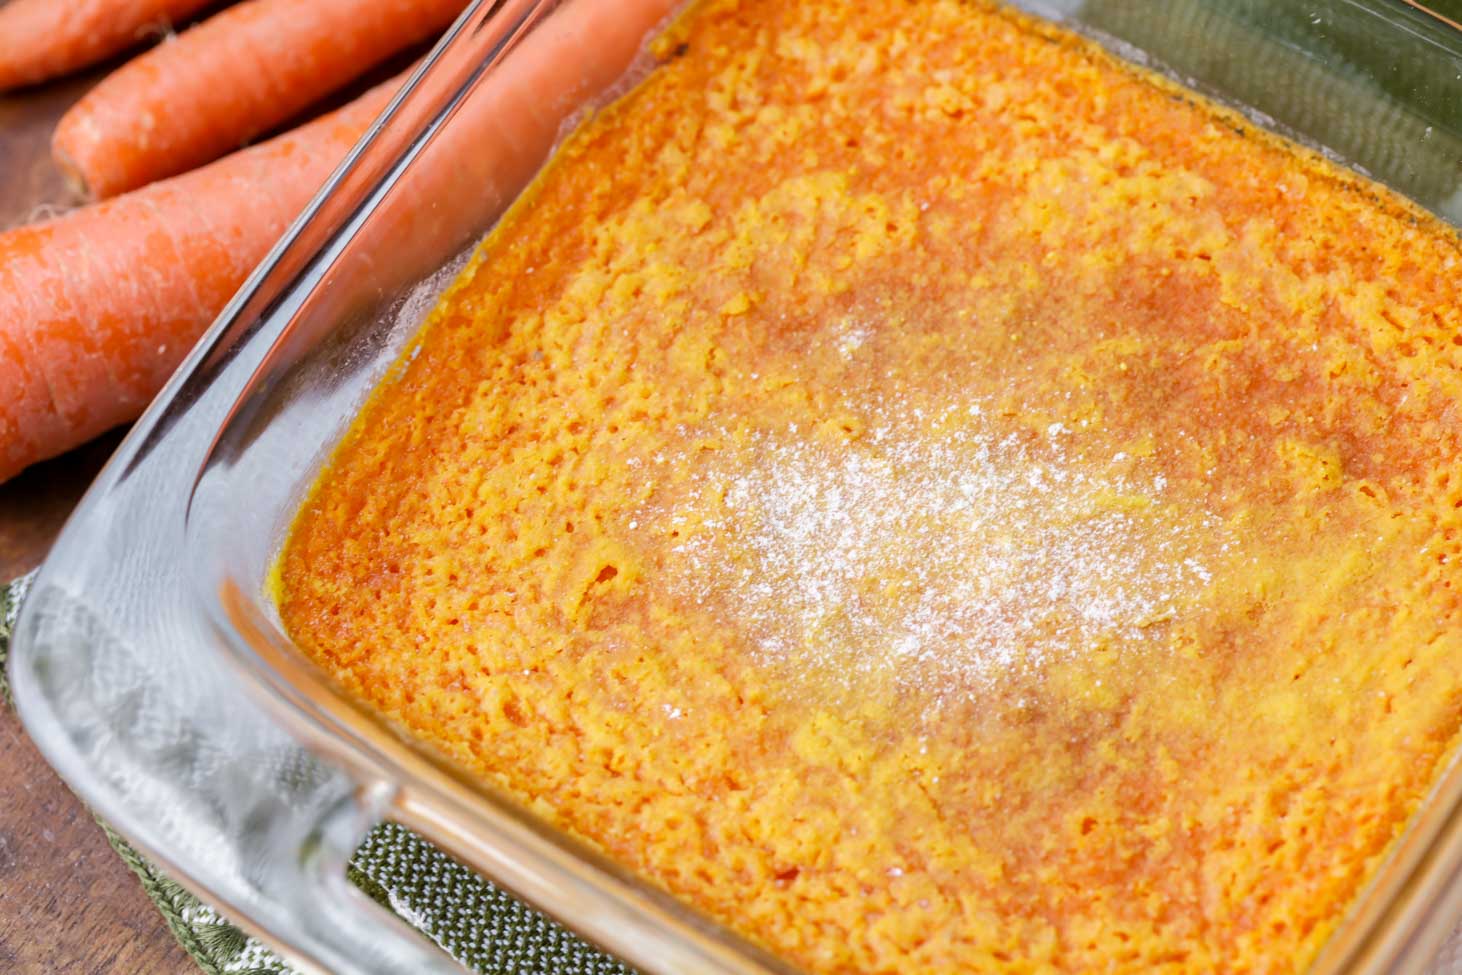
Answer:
(68, 905)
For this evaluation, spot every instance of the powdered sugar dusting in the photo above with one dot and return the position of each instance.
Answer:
(936, 551)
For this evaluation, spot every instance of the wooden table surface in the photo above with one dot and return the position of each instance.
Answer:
(68, 905)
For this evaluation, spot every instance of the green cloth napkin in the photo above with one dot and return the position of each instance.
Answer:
(480, 925)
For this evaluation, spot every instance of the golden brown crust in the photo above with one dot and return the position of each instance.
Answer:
(934, 498)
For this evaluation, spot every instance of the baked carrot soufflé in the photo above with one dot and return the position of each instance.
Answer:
(931, 496)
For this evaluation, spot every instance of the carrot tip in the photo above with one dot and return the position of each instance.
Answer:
(75, 178)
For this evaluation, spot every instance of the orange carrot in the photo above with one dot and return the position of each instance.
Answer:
(88, 333)
(44, 39)
(97, 307)
(504, 131)
(234, 76)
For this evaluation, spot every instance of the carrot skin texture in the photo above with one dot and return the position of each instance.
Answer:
(505, 131)
(98, 307)
(238, 74)
(44, 39)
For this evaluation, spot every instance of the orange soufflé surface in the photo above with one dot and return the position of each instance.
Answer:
(930, 496)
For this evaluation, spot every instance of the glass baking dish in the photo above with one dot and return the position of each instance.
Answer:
(150, 667)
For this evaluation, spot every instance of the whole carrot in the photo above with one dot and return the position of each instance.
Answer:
(97, 307)
(232, 77)
(44, 39)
